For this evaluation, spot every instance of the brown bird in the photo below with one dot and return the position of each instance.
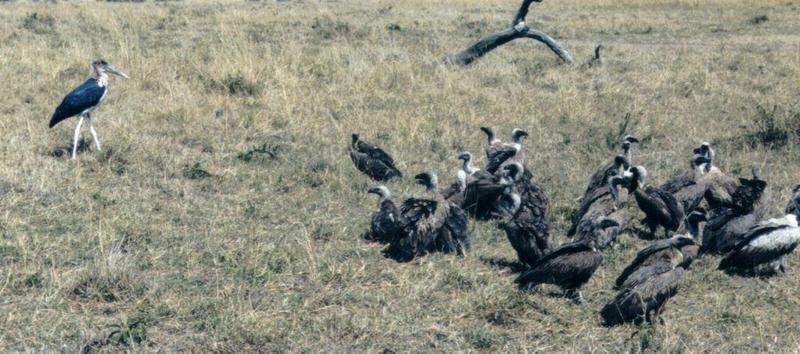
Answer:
(663, 255)
(598, 182)
(602, 220)
(569, 266)
(431, 225)
(734, 214)
(689, 187)
(387, 222)
(372, 160)
(660, 207)
(498, 154)
(765, 244)
(528, 230)
(644, 302)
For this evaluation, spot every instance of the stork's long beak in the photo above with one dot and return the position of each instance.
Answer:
(114, 71)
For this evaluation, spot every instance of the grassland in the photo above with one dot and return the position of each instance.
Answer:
(224, 213)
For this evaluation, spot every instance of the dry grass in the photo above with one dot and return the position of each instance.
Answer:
(136, 248)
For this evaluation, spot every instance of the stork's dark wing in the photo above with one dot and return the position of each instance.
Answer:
(81, 98)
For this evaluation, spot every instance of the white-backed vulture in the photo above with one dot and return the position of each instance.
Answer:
(431, 225)
(387, 223)
(569, 266)
(765, 244)
(602, 220)
(487, 195)
(528, 230)
(663, 255)
(372, 160)
(644, 302)
(493, 144)
(660, 207)
(499, 154)
(689, 187)
(598, 182)
(734, 214)
(715, 178)
(614, 166)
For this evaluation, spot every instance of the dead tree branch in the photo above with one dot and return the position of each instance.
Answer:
(518, 29)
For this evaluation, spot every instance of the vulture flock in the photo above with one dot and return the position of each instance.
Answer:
(730, 209)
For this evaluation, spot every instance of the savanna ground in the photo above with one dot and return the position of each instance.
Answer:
(224, 213)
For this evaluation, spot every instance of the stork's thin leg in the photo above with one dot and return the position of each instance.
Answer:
(94, 133)
(77, 135)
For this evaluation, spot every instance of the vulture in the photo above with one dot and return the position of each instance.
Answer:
(791, 208)
(386, 221)
(734, 214)
(493, 144)
(569, 266)
(765, 244)
(705, 150)
(598, 182)
(714, 178)
(487, 195)
(499, 154)
(429, 225)
(643, 302)
(602, 220)
(466, 156)
(627, 145)
(663, 255)
(455, 193)
(528, 230)
(372, 160)
(660, 207)
(689, 187)
(510, 201)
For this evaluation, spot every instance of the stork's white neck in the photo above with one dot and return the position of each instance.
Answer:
(102, 78)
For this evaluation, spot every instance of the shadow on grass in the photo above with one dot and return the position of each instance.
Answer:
(84, 145)
(762, 273)
(503, 263)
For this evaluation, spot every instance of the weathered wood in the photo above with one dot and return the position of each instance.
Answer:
(517, 30)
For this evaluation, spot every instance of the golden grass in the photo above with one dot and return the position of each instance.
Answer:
(124, 247)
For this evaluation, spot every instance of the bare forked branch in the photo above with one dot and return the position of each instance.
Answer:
(518, 29)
